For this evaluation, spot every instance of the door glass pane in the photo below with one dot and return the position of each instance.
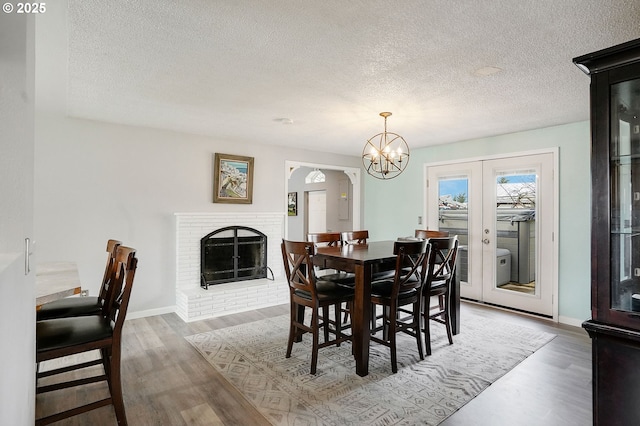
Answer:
(516, 193)
(625, 196)
(453, 216)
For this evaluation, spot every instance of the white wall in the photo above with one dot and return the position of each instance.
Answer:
(95, 181)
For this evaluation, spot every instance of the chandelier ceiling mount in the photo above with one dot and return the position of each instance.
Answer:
(386, 154)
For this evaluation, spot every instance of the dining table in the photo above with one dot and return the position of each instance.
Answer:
(363, 260)
(56, 280)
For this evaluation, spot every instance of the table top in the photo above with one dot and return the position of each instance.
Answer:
(360, 253)
(55, 280)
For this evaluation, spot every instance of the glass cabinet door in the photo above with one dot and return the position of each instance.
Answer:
(625, 195)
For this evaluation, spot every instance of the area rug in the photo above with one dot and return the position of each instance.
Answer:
(252, 358)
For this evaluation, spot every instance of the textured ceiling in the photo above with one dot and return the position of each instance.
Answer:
(233, 69)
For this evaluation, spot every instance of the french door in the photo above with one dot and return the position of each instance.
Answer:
(503, 211)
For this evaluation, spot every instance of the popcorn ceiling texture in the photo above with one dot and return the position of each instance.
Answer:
(231, 69)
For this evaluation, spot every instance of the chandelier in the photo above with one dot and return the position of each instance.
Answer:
(386, 154)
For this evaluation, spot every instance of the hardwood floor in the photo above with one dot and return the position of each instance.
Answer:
(166, 382)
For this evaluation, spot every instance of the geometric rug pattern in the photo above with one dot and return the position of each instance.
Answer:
(252, 358)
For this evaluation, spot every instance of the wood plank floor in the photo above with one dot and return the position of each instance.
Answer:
(166, 382)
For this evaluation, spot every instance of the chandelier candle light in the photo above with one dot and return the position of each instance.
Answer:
(386, 154)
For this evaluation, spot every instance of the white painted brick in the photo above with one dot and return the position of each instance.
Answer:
(194, 303)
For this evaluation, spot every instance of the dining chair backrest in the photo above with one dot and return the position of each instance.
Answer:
(442, 260)
(104, 292)
(297, 257)
(330, 239)
(122, 281)
(355, 237)
(126, 264)
(428, 233)
(411, 264)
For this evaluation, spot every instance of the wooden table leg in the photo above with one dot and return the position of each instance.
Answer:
(361, 319)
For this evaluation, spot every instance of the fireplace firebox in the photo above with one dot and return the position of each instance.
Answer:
(233, 253)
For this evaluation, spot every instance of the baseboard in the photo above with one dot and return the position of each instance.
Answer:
(570, 321)
(151, 312)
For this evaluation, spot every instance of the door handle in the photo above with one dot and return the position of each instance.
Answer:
(28, 252)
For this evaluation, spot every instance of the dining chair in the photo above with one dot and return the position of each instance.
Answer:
(439, 278)
(361, 237)
(330, 239)
(333, 239)
(355, 237)
(379, 271)
(428, 233)
(401, 296)
(61, 337)
(82, 306)
(306, 291)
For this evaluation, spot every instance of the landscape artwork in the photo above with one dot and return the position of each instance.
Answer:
(233, 179)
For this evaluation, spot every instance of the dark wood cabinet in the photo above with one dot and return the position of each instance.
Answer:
(615, 232)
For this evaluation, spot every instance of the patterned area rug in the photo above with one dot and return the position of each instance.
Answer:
(252, 358)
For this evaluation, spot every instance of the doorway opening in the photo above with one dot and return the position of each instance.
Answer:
(341, 202)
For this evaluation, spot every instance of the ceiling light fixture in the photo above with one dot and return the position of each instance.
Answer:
(386, 154)
(487, 71)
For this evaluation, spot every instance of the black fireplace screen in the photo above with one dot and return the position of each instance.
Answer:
(234, 253)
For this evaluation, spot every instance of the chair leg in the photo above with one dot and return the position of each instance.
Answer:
(314, 349)
(325, 320)
(115, 386)
(106, 363)
(292, 329)
(446, 316)
(427, 332)
(349, 306)
(373, 315)
(392, 331)
(417, 329)
(338, 327)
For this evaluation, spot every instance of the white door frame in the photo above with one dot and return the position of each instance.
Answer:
(556, 214)
(353, 173)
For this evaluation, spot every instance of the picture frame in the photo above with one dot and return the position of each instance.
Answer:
(232, 179)
(292, 204)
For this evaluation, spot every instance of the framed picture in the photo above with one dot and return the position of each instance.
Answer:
(232, 179)
(293, 204)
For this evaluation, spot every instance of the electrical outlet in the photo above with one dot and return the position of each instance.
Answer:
(84, 293)
(636, 272)
(419, 220)
(636, 196)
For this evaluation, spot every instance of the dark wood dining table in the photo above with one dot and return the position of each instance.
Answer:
(362, 259)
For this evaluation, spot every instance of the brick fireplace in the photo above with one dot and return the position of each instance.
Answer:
(195, 303)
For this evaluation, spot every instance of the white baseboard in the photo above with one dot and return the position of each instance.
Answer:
(151, 312)
(571, 321)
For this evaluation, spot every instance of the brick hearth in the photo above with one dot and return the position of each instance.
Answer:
(193, 302)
